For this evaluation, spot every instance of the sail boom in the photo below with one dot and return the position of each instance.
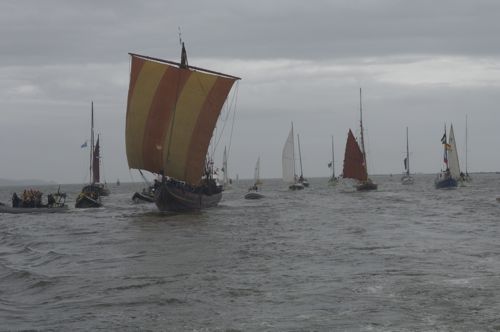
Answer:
(178, 64)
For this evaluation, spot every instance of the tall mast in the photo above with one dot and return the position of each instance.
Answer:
(293, 153)
(91, 139)
(300, 157)
(333, 161)
(466, 147)
(361, 126)
(407, 154)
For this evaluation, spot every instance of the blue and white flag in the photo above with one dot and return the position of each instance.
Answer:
(84, 145)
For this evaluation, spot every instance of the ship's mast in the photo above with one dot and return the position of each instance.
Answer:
(407, 154)
(333, 161)
(91, 140)
(361, 126)
(466, 147)
(300, 156)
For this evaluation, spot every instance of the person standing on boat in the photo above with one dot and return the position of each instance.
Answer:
(15, 200)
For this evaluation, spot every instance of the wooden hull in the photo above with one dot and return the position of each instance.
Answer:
(366, 185)
(84, 201)
(18, 210)
(296, 186)
(173, 196)
(253, 195)
(143, 198)
(98, 188)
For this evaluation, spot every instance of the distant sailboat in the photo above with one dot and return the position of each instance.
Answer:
(90, 195)
(288, 163)
(466, 177)
(355, 166)
(172, 111)
(407, 178)
(333, 179)
(253, 190)
(449, 177)
(301, 179)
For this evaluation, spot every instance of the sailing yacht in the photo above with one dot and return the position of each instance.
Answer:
(355, 166)
(301, 179)
(172, 111)
(253, 191)
(90, 196)
(333, 179)
(448, 178)
(407, 178)
(288, 163)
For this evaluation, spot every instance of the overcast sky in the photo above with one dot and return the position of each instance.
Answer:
(420, 64)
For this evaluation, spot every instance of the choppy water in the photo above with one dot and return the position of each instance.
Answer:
(404, 258)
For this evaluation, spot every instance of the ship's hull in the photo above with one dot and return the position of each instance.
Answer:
(98, 188)
(18, 210)
(143, 197)
(447, 183)
(253, 195)
(366, 185)
(84, 201)
(407, 180)
(176, 197)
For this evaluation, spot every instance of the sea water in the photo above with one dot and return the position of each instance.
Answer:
(402, 258)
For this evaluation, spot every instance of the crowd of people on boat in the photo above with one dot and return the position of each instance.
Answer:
(32, 198)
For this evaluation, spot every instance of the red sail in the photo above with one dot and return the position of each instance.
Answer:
(354, 165)
(95, 163)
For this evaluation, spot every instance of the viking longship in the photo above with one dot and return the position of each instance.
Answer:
(172, 111)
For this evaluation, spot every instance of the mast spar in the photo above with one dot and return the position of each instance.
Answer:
(300, 157)
(361, 126)
(407, 154)
(91, 139)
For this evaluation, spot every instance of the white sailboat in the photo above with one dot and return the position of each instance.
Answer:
(301, 179)
(407, 178)
(333, 179)
(449, 177)
(253, 191)
(288, 163)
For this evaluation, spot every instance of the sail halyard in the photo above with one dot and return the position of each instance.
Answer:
(171, 115)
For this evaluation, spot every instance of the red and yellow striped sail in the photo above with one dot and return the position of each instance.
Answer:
(171, 115)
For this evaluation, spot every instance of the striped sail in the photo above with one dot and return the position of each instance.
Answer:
(171, 115)
(354, 165)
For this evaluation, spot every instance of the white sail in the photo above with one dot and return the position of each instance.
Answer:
(453, 164)
(288, 159)
(256, 175)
